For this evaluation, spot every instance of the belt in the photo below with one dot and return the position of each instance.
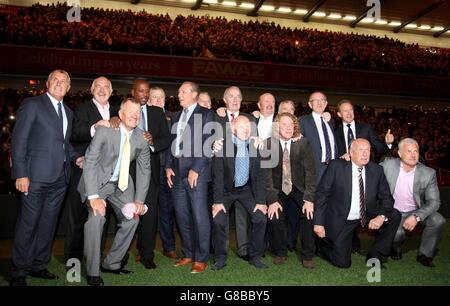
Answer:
(326, 163)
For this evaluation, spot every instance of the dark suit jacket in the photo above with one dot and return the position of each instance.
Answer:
(334, 195)
(85, 115)
(162, 155)
(197, 155)
(309, 130)
(363, 130)
(303, 172)
(157, 126)
(223, 178)
(38, 146)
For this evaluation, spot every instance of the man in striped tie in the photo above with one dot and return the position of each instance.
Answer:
(353, 193)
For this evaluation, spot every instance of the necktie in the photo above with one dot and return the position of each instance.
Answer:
(350, 136)
(241, 166)
(125, 163)
(327, 141)
(362, 206)
(142, 123)
(60, 117)
(182, 124)
(232, 117)
(287, 179)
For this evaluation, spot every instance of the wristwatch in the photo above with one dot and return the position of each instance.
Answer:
(417, 217)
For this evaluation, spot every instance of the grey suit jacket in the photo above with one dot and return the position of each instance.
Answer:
(425, 189)
(101, 158)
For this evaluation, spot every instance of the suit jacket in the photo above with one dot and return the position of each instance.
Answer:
(425, 189)
(224, 171)
(85, 115)
(101, 159)
(303, 173)
(157, 126)
(363, 130)
(38, 146)
(334, 195)
(309, 130)
(162, 155)
(196, 155)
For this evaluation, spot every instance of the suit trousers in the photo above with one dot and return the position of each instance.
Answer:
(93, 229)
(432, 226)
(36, 226)
(166, 214)
(258, 224)
(278, 230)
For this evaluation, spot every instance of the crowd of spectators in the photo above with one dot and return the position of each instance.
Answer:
(430, 127)
(142, 32)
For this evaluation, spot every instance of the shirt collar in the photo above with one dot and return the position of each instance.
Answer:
(100, 105)
(53, 100)
(402, 167)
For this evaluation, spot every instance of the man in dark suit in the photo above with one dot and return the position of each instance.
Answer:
(352, 193)
(188, 171)
(291, 182)
(41, 156)
(346, 132)
(238, 176)
(319, 132)
(166, 213)
(153, 123)
(87, 117)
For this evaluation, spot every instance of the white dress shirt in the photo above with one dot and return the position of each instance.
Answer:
(354, 208)
(318, 122)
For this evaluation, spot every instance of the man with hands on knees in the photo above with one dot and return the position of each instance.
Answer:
(106, 177)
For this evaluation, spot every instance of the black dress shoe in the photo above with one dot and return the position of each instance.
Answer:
(218, 266)
(117, 271)
(96, 281)
(245, 257)
(396, 254)
(425, 261)
(149, 264)
(44, 274)
(18, 282)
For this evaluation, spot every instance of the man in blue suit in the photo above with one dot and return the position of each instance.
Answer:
(41, 155)
(188, 171)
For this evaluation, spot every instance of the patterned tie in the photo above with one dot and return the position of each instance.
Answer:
(182, 124)
(362, 206)
(125, 163)
(350, 136)
(287, 179)
(241, 166)
(327, 141)
(142, 122)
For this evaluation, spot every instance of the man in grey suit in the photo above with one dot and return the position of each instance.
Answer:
(416, 194)
(106, 177)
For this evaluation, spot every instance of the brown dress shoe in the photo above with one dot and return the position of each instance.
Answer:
(308, 264)
(183, 262)
(279, 260)
(199, 267)
(171, 254)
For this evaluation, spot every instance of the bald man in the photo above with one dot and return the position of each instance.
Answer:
(239, 177)
(353, 193)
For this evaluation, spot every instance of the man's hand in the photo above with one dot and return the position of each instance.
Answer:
(410, 223)
(376, 222)
(319, 230)
(114, 122)
(258, 142)
(169, 174)
(256, 114)
(273, 210)
(308, 209)
(261, 207)
(216, 208)
(346, 156)
(80, 162)
(192, 178)
(389, 138)
(217, 145)
(104, 123)
(149, 138)
(297, 138)
(98, 206)
(221, 111)
(140, 208)
(22, 184)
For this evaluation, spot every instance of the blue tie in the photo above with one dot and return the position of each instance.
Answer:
(241, 166)
(142, 123)
(327, 141)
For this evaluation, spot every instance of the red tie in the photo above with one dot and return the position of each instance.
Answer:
(232, 117)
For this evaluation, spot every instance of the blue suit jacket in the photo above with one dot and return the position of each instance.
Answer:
(38, 146)
(195, 154)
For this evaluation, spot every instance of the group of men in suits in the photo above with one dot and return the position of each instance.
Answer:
(143, 155)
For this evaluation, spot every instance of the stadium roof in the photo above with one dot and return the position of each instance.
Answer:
(426, 17)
